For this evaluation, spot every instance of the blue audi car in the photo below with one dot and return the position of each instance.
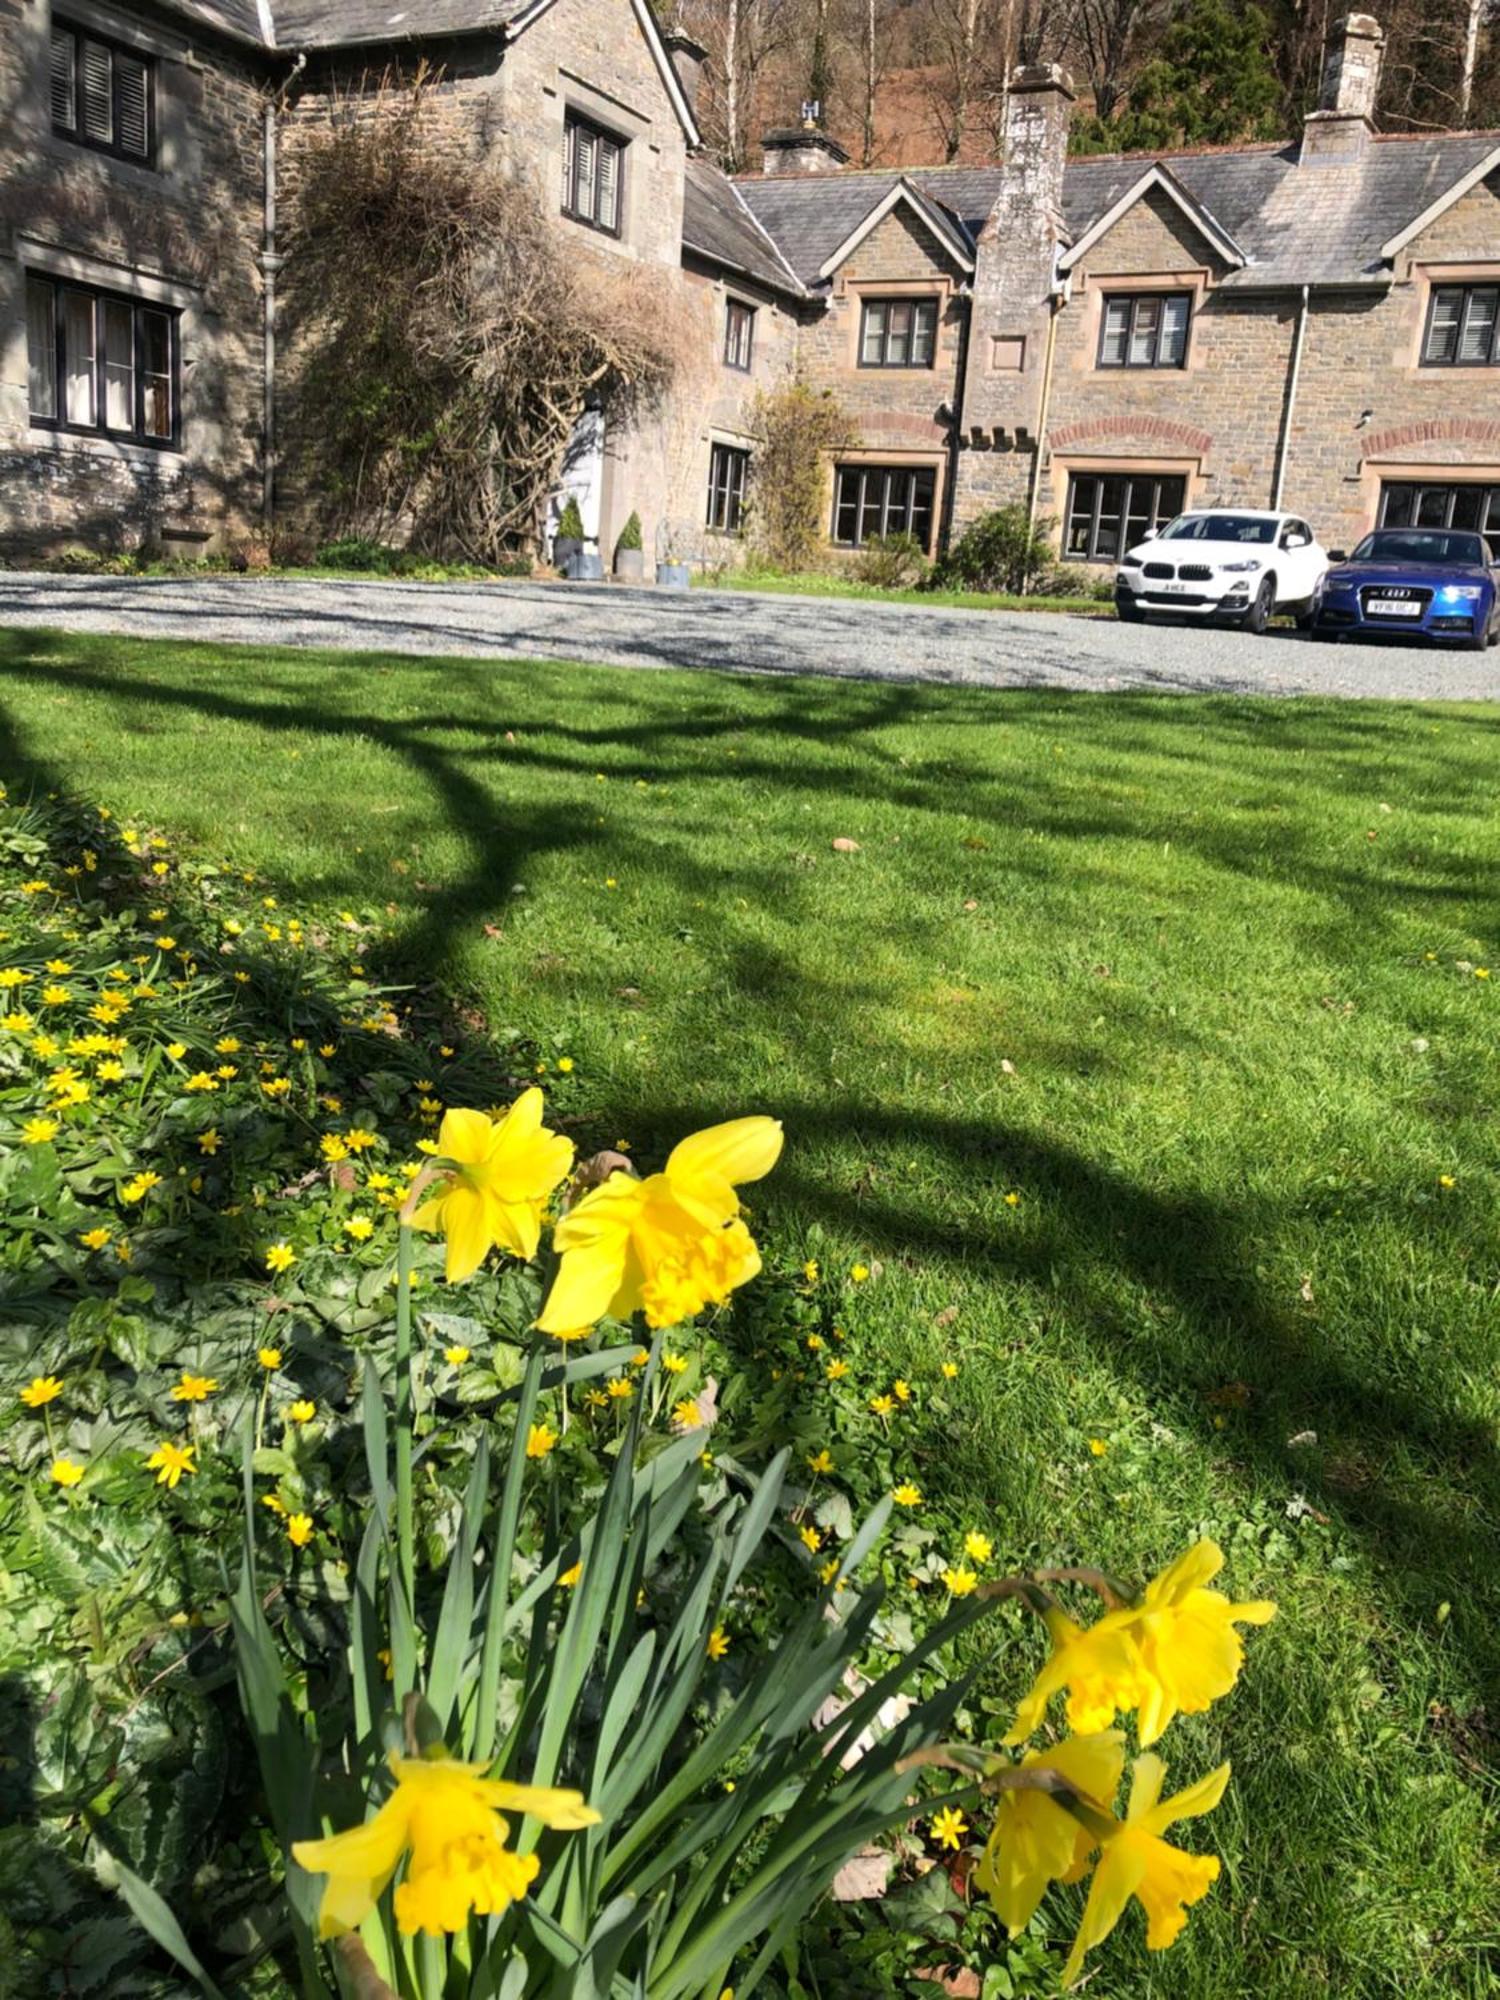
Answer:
(1429, 583)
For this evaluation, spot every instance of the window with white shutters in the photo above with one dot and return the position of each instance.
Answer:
(101, 363)
(102, 95)
(898, 333)
(1462, 327)
(1145, 330)
(593, 175)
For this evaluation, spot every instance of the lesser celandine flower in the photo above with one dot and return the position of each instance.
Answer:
(65, 1473)
(444, 1819)
(667, 1245)
(949, 1827)
(1175, 1652)
(502, 1172)
(41, 1389)
(1137, 1862)
(170, 1461)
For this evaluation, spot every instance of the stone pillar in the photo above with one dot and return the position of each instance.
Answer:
(1014, 272)
(801, 149)
(1340, 128)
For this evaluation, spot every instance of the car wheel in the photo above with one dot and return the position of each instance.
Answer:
(1259, 614)
(1477, 642)
(1131, 614)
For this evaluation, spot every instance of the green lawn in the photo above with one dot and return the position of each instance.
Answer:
(1188, 976)
(826, 583)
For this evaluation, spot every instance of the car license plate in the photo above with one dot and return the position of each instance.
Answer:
(1172, 589)
(1393, 607)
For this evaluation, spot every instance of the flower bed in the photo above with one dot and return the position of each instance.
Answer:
(331, 1489)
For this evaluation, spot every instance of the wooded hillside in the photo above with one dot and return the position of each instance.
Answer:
(908, 81)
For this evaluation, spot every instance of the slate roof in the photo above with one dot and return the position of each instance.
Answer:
(328, 24)
(717, 224)
(1319, 224)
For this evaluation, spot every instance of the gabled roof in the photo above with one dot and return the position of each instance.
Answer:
(717, 225)
(1330, 222)
(949, 231)
(1156, 177)
(291, 25)
(1481, 170)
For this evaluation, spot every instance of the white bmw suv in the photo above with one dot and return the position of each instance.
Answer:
(1232, 562)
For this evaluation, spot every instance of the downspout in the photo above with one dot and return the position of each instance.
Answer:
(1058, 299)
(270, 263)
(1284, 442)
(956, 436)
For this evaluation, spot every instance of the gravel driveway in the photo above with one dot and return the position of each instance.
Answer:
(723, 629)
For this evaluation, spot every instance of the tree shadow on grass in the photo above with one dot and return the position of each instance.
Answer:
(1108, 1235)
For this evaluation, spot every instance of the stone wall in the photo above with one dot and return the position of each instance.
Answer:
(186, 233)
(902, 415)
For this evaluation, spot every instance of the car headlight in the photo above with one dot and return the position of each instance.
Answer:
(1230, 569)
(1460, 592)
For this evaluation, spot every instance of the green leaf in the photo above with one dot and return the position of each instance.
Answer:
(153, 1915)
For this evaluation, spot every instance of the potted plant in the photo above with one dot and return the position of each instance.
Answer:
(567, 543)
(673, 568)
(630, 553)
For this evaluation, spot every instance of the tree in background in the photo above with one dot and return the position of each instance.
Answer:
(1212, 81)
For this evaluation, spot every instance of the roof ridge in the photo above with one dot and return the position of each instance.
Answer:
(1468, 132)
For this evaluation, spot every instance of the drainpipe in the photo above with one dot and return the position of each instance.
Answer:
(950, 490)
(1284, 442)
(1058, 300)
(270, 263)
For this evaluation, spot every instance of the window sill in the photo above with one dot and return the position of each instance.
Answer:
(42, 437)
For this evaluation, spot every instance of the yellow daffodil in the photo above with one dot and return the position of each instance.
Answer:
(444, 1818)
(502, 1173)
(1176, 1652)
(170, 1461)
(1137, 1862)
(1035, 1839)
(667, 1245)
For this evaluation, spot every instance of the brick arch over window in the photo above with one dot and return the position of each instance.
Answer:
(1438, 430)
(1159, 430)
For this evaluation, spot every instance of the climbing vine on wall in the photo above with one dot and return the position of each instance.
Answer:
(442, 341)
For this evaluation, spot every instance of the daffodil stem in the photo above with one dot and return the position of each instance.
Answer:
(405, 1537)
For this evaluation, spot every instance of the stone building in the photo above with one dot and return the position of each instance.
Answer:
(1100, 340)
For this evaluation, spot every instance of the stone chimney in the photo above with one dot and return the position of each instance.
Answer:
(802, 149)
(1340, 128)
(1015, 271)
(688, 60)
